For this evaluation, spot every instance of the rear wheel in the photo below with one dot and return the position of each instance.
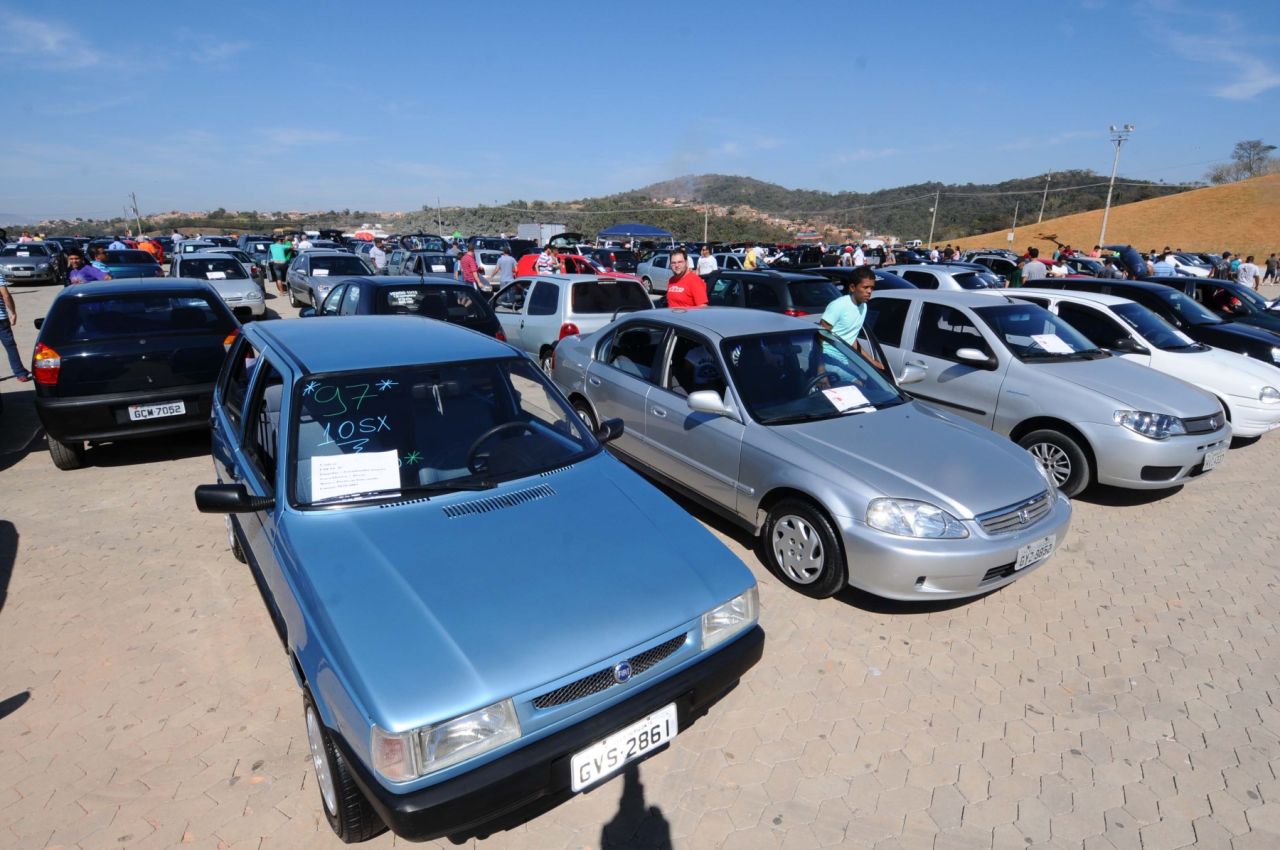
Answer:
(66, 455)
(347, 810)
(801, 548)
(584, 413)
(648, 285)
(545, 360)
(1062, 456)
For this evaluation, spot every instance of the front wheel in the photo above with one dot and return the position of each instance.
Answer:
(293, 299)
(546, 361)
(348, 812)
(584, 413)
(648, 285)
(1063, 457)
(801, 548)
(234, 542)
(66, 455)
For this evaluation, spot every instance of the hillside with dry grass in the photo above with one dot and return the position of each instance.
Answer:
(1239, 217)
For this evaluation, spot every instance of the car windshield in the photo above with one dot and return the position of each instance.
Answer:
(1032, 333)
(619, 260)
(801, 376)
(608, 296)
(403, 432)
(1190, 310)
(348, 264)
(1154, 329)
(212, 268)
(24, 251)
(424, 243)
(457, 304)
(812, 294)
(129, 257)
(1251, 303)
(977, 280)
(491, 244)
(134, 316)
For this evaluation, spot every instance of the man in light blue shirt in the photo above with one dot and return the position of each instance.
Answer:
(845, 315)
(1164, 267)
(506, 267)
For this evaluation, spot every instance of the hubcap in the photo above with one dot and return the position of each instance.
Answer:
(584, 416)
(546, 365)
(315, 737)
(231, 534)
(797, 549)
(1054, 459)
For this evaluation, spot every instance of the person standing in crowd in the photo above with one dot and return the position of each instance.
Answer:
(933, 255)
(1271, 270)
(1249, 274)
(470, 270)
(1165, 267)
(151, 247)
(846, 257)
(706, 263)
(1015, 276)
(888, 259)
(548, 262)
(378, 256)
(26, 236)
(1109, 270)
(100, 260)
(279, 263)
(176, 237)
(1096, 252)
(506, 267)
(1222, 271)
(117, 245)
(749, 258)
(9, 315)
(846, 315)
(1034, 269)
(305, 243)
(859, 258)
(685, 288)
(78, 271)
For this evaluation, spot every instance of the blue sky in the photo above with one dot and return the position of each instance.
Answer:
(390, 105)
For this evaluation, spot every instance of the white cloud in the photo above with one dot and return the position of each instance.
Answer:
(209, 54)
(44, 42)
(1218, 40)
(290, 137)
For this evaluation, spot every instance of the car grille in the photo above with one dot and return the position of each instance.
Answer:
(1203, 424)
(1016, 517)
(497, 503)
(20, 268)
(602, 680)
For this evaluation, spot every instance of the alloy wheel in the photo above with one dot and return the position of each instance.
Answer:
(1054, 459)
(315, 737)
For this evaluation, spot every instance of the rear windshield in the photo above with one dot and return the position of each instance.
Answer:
(977, 280)
(608, 296)
(349, 264)
(213, 268)
(815, 294)
(260, 247)
(491, 244)
(134, 315)
(424, 243)
(129, 257)
(25, 251)
(621, 261)
(457, 304)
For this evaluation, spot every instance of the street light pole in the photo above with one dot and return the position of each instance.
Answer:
(1119, 135)
(936, 197)
(1044, 197)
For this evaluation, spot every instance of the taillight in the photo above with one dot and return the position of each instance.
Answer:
(500, 336)
(792, 311)
(568, 329)
(45, 365)
(230, 338)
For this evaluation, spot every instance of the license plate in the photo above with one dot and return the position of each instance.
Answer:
(1037, 551)
(1214, 458)
(607, 757)
(139, 412)
(21, 273)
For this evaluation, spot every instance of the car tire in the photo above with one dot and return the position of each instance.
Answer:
(345, 807)
(802, 548)
(583, 410)
(647, 284)
(234, 542)
(293, 299)
(1064, 458)
(66, 456)
(545, 359)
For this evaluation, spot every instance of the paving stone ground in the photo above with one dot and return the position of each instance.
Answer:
(1124, 696)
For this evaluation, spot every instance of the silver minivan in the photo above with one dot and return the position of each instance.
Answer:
(537, 312)
(1022, 371)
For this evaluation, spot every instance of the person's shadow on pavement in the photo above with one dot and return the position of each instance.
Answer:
(635, 826)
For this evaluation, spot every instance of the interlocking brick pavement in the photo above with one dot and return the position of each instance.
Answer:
(1122, 697)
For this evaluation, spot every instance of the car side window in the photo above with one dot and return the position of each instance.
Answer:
(660, 261)
(945, 330)
(331, 303)
(1039, 302)
(350, 301)
(634, 349)
(241, 362)
(922, 280)
(761, 295)
(886, 318)
(724, 291)
(262, 437)
(1100, 329)
(511, 299)
(544, 299)
(693, 367)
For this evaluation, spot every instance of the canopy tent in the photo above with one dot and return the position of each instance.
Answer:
(634, 230)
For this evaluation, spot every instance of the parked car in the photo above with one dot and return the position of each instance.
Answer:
(258, 248)
(432, 297)
(537, 312)
(313, 273)
(1228, 300)
(1189, 265)
(792, 293)
(520, 247)
(1184, 313)
(842, 276)
(783, 429)
(424, 242)
(999, 264)
(190, 246)
(439, 687)
(29, 262)
(132, 263)
(613, 259)
(1018, 369)
(726, 262)
(229, 279)
(255, 271)
(1248, 391)
(127, 359)
(571, 264)
(654, 271)
(401, 262)
(947, 277)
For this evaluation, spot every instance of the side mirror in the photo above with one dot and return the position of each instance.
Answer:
(39, 323)
(307, 313)
(976, 357)
(230, 499)
(709, 401)
(609, 430)
(912, 374)
(1128, 345)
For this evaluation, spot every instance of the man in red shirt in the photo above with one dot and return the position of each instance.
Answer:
(685, 289)
(471, 270)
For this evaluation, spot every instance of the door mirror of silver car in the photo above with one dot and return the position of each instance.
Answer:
(609, 430)
(912, 374)
(709, 401)
(976, 357)
(230, 499)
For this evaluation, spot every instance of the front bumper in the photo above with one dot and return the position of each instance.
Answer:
(1126, 459)
(106, 417)
(541, 770)
(1251, 418)
(51, 275)
(913, 569)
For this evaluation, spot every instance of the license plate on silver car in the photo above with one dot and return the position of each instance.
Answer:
(1214, 458)
(1037, 551)
(607, 757)
(139, 412)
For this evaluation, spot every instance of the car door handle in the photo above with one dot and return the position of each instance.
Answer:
(920, 363)
(659, 412)
(595, 382)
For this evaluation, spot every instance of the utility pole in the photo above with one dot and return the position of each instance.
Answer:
(1118, 137)
(1014, 227)
(706, 217)
(1044, 197)
(439, 219)
(936, 198)
(133, 198)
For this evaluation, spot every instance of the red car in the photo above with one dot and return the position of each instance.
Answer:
(571, 264)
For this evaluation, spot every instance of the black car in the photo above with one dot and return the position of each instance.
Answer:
(520, 247)
(778, 292)
(1184, 313)
(127, 359)
(419, 262)
(842, 276)
(808, 257)
(403, 295)
(619, 259)
(1228, 300)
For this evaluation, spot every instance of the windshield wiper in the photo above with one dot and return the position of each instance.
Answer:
(799, 417)
(433, 488)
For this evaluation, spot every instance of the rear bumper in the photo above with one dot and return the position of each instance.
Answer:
(541, 770)
(106, 417)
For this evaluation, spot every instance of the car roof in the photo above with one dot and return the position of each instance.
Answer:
(327, 252)
(204, 255)
(773, 274)
(410, 279)
(577, 278)
(341, 346)
(951, 297)
(726, 321)
(1141, 285)
(1069, 294)
(131, 285)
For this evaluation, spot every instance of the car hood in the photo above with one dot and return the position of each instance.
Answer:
(914, 452)
(1239, 329)
(1133, 386)
(428, 616)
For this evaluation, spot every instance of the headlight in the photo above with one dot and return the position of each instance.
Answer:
(43, 267)
(724, 621)
(909, 518)
(403, 756)
(1275, 354)
(1269, 395)
(1157, 426)
(254, 295)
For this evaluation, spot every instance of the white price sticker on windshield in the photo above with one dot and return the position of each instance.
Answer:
(1052, 343)
(320, 272)
(846, 398)
(436, 268)
(215, 275)
(24, 254)
(335, 476)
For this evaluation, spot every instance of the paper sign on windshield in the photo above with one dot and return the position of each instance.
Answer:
(320, 272)
(24, 253)
(334, 476)
(1052, 343)
(846, 398)
(215, 275)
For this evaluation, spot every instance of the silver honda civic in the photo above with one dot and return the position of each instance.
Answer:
(785, 430)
